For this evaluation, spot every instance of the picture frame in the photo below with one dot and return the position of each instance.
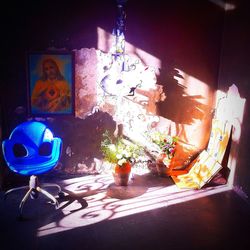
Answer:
(51, 83)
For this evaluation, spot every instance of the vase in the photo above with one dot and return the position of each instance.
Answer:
(152, 167)
(121, 174)
(163, 165)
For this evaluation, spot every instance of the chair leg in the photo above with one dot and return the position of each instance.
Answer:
(13, 189)
(47, 194)
(23, 201)
(52, 185)
(33, 187)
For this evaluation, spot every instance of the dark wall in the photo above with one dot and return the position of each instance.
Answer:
(183, 34)
(40, 25)
(235, 69)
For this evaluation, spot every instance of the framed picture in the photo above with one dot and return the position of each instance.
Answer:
(50, 83)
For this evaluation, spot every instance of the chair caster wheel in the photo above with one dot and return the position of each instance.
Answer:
(61, 194)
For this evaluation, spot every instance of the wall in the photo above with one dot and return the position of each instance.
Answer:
(235, 69)
(184, 36)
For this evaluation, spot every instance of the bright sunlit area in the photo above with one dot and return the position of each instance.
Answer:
(96, 198)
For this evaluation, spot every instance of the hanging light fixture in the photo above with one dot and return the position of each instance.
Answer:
(119, 29)
(119, 74)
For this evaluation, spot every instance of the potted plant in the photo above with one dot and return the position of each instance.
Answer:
(122, 154)
(166, 148)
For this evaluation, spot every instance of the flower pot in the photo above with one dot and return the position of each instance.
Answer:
(163, 165)
(162, 169)
(121, 174)
(152, 167)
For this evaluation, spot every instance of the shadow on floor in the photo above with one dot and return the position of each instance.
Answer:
(89, 218)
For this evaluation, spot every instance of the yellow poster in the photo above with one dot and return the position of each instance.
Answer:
(203, 168)
(208, 163)
(219, 138)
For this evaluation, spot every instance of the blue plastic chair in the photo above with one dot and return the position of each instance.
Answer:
(32, 150)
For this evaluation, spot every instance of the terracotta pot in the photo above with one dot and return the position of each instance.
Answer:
(152, 168)
(162, 168)
(121, 174)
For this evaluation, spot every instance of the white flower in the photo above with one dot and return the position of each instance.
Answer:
(169, 139)
(119, 156)
(120, 162)
(112, 147)
(126, 154)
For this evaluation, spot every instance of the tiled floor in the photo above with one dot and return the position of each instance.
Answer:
(151, 213)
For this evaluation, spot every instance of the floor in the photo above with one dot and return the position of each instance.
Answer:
(150, 213)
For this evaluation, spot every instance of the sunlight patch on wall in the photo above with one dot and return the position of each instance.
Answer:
(136, 110)
(230, 107)
(177, 103)
(189, 121)
(193, 86)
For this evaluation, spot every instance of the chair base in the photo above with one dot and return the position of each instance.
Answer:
(33, 190)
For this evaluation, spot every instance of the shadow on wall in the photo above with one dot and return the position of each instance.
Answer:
(190, 115)
(81, 147)
(81, 142)
(179, 107)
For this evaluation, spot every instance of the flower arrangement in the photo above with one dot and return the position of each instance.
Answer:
(119, 150)
(166, 145)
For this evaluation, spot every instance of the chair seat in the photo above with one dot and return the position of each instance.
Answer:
(34, 164)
